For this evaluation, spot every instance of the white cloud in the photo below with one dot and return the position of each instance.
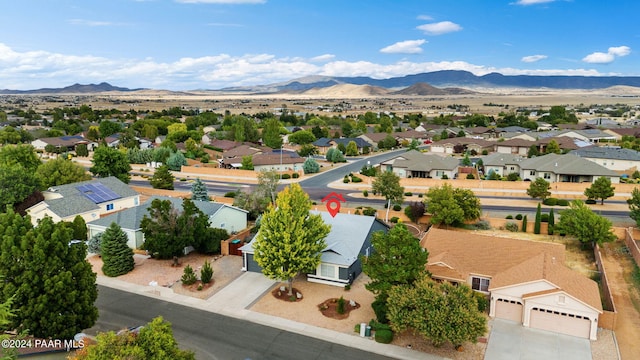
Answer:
(439, 28)
(222, 1)
(425, 17)
(533, 58)
(532, 2)
(323, 58)
(608, 57)
(404, 47)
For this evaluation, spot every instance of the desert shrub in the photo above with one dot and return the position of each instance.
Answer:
(590, 201)
(509, 217)
(397, 207)
(563, 202)
(368, 171)
(384, 336)
(408, 193)
(357, 212)
(295, 175)
(365, 193)
(206, 273)
(519, 217)
(513, 177)
(544, 218)
(511, 226)
(286, 176)
(380, 309)
(340, 306)
(470, 176)
(420, 195)
(485, 152)
(346, 179)
(356, 179)
(230, 194)
(394, 219)
(347, 287)
(550, 201)
(369, 211)
(482, 225)
(188, 276)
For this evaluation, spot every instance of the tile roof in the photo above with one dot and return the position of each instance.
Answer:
(606, 152)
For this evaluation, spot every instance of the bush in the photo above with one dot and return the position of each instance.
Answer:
(286, 176)
(550, 201)
(397, 207)
(394, 219)
(444, 177)
(365, 193)
(295, 175)
(369, 211)
(188, 276)
(356, 179)
(511, 226)
(408, 193)
(346, 179)
(206, 273)
(341, 304)
(509, 217)
(380, 309)
(356, 329)
(384, 336)
(94, 244)
(544, 218)
(590, 201)
(519, 217)
(482, 225)
(513, 177)
(470, 177)
(483, 304)
(230, 194)
(347, 287)
(564, 202)
(420, 195)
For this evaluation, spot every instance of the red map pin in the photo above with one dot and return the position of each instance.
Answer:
(333, 201)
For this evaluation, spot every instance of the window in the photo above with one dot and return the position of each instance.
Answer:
(547, 176)
(532, 172)
(327, 271)
(109, 207)
(480, 284)
(136, 201)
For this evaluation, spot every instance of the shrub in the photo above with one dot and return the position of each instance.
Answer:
(394, 219)
(380, 309)
(206, 273)
(346, 179)
(470, 176)
(563, 202)
(286, 176)
(482, 225)
(590, 201)
(550, 201)
(511, 226)
(356, 179)
(444, 177)
(513, 177)
(397, 207)
(356, 329)
(295, 175)
(524, 223)
(420, 195)
(199, 287)
(544, 218)
(408, 193)
(365, 193)
(94, 244)
(384, 336)
(485, 152)
(230, 194)
(483, 304)
(341, 304)
(519, 217)
(188, 276)
(369, 211)
(347, 287)
(509, 217)
(357, 212)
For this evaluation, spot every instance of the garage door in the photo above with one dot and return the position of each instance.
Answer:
(509, 310)
(560, 322)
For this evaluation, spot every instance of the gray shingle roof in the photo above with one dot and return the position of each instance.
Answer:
(417, 161)
(567, 165)
(75, 202)
(498, 159)
(608, 153)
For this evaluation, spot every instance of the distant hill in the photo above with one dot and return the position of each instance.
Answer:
(450, 78)
(73, 89)
(422, 89)
(343, 90)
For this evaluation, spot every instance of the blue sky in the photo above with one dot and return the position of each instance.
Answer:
(211, 44)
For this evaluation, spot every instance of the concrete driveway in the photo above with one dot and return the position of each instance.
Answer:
(512, 341)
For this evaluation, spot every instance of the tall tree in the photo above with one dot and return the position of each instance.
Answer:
(17, 185)
(387, 184)
(176, 161)
(302, 137)
(441, 312)
(600, 189)
(247, 163)
(199, 191)
(162, 178)
(539, 189)
(538, 220)
(61, 171)
(552, 148)
(110, 162)
(451, 206)
(634, 205)
(271, 133)
(290, 239)
(79, 228)
(551, 224)
(53, 285)
(352, 149)
(23, 155)
(82, 150)
(587, 226)
(117, 256)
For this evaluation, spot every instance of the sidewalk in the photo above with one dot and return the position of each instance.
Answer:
(235, 299)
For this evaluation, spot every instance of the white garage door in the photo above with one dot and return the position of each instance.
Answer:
(560, 322)
(509, 310)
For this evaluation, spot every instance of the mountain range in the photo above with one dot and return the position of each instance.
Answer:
(430, 83)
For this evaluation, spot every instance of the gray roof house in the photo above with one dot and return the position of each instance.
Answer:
(616, 159)
(90, 199)
(414, 164)
(340, 264)
(221, 216)
(564, 168)
(502, 164)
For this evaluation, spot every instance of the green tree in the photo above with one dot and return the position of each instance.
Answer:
(538, 220)
(264, 194)
(553, 148)
(6, 313)
(533, 151)
(117, 256)
(206, 273)
(352, 149)
(415, 210)
(302, 137)
(465, 160)
(634, 205)
(342, 148)
(451, 206)
(93, 133)
(600, 189)
(199, 191)
(387, 184)
(17, 185)
(60, 171)
(9, 135)
(108, 128)
(307, 150)
(94, 244)
(154, 341)
(82, 150)
(271, 133)
(524, 224)
(310, 166)
(110, 162)
(387, 143)
(52, 284)
(290, 239)
(587, 226)
(162, 178)
(539, 189)
(23, 155)
(397, 259)
(551, 223)
(247, 163)
(441, 312)
(176, 161)
(79, 228)
(413, 145)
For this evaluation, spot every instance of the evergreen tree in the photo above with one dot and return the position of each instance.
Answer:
(524, 224)
(176, 160)
(536, 224)
(94, 245)
(117, 256)
(634, 205)
(352, 149)
(162, 178)
(247, 163)
(52, 285)
(271, 133)
(290, 240)
(600, 189)
(199, 191)
(539, 189)
(311, 166)
(551, 223)
(79, 228)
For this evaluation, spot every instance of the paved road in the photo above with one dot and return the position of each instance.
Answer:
(214, 336)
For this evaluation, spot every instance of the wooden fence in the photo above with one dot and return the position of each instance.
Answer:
(608, 318)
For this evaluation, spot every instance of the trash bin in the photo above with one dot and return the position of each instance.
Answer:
(367, 331)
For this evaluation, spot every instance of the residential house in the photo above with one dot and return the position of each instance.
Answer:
(113, 140)
(514, 146)
(564, 168)
(588, 135)
(65, 143)
(482, 132)
(518, 135)
(526, 281)
(502, 164)
(324, 144)
(612, 158)
(220, 215)
(278, 160)
(414, 164)
(627, 131)
(89, 199)
(448, 146)
(232, 158)
(349, 238)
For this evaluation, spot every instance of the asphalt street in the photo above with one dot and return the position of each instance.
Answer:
(214, 336)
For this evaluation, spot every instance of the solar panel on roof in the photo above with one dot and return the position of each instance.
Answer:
(97, 192)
